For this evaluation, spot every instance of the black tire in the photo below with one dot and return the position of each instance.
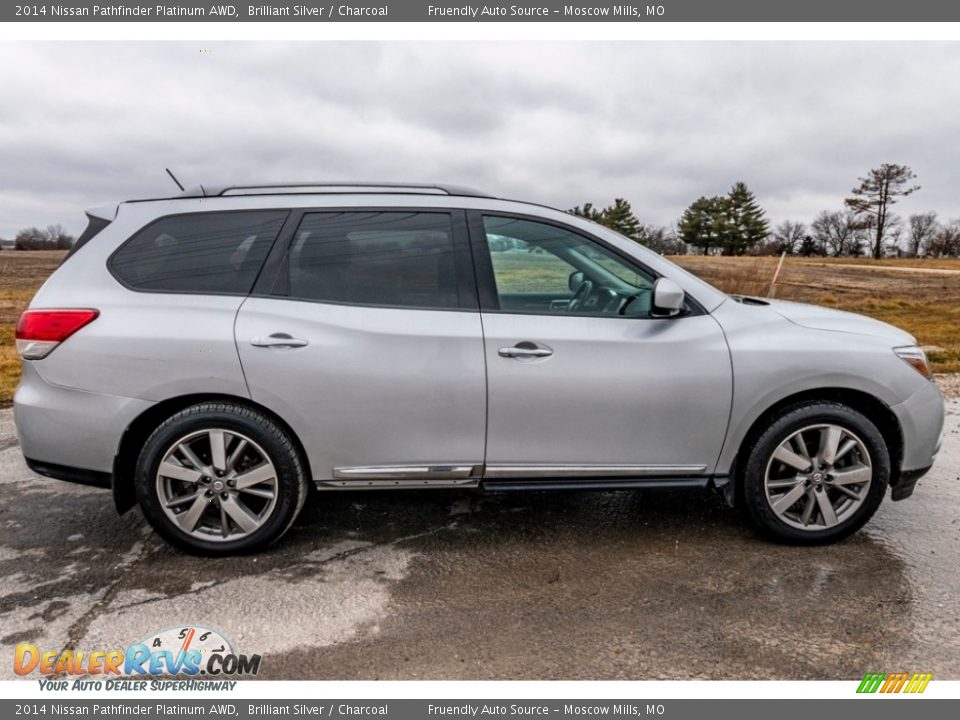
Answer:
(291, 477)
(789, 421)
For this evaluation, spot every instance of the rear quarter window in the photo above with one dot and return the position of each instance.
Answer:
(218, 252)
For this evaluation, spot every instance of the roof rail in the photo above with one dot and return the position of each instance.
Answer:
(312, 188)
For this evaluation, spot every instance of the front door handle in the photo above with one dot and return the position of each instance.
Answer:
(278, 340)
(525, 350)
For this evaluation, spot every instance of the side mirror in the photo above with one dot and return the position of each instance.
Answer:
(575, 280)
(667, 298)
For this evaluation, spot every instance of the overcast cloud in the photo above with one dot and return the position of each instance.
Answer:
(562, 124)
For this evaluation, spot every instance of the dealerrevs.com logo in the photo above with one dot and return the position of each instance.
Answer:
(190, 651)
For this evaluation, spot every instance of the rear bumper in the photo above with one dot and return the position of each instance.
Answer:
(70, 432)
(70, 474)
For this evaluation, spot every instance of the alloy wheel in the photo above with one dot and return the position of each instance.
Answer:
(217, 485)
(818, 477)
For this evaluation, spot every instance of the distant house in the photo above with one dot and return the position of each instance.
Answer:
(7, 244)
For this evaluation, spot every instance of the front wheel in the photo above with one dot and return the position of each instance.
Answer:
(220, 479)
(816, 475)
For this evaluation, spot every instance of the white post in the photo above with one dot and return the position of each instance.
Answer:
(776, 274)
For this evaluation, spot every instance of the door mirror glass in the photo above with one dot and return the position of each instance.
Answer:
(667, 298)
(575, 280)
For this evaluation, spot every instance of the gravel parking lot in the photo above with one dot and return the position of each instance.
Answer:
(457, 585)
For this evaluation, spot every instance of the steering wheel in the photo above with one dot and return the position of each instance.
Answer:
(628, 301)
(582, 293)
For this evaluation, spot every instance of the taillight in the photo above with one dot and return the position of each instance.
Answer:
(40, 331)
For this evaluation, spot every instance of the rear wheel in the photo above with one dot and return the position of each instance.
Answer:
(817, 474)
(220, 478)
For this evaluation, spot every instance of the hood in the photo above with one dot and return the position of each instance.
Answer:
(821, 318)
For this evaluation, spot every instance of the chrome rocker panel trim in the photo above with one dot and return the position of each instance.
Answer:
(506, 477)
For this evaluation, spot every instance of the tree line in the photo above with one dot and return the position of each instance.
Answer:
(52, 237)
(736, 224)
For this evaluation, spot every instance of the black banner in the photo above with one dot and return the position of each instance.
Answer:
(525, 11)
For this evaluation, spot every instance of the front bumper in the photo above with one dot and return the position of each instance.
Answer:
(906, 483)
(921, 419)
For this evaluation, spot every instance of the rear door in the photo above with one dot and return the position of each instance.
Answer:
(368, 342)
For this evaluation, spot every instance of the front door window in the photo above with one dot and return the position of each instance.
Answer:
(543, 268)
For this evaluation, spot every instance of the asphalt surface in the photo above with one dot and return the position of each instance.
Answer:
(458, 585)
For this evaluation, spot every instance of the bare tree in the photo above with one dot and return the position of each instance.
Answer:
(876, 193)
(788, 235)
(923, 226)
(53, 237)
(894, 236)
(661, 239)
(59, 237)
(835, 232)
(945, 242)
(29, 239)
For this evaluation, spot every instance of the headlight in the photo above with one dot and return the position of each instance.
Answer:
(916, 358)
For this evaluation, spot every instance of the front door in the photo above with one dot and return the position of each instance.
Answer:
(582, 380)
(370, 346)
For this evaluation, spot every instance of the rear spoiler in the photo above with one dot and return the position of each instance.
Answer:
(106, 212)
(97, 219)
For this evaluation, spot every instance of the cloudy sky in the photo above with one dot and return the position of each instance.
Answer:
(562, 124)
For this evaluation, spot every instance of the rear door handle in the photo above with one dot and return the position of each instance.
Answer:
(525, 350)
(278, 340)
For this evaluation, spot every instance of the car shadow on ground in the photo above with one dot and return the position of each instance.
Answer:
(466, 585)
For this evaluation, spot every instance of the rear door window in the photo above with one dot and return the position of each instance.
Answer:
(219, 252)
(382, 258)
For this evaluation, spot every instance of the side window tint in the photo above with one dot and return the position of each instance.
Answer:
(542, 268)
(396, 259)
(219, 252)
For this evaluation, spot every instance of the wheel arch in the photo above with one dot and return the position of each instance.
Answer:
(874, 409)
(137, 432)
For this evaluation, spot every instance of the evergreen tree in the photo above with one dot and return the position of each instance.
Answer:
(697, 226)
(745, 221)
(809, 247)
(733, 223)
(588, 211)
(620, 217)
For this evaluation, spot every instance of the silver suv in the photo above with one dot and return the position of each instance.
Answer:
(211, 355)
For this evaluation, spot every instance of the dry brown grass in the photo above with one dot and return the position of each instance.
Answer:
(926, 304)
(21, 274)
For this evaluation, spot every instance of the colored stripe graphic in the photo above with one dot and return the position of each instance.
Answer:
(894, 682)
(919, 683)
(871, 682)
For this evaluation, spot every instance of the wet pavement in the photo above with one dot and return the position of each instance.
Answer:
(461, 585)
